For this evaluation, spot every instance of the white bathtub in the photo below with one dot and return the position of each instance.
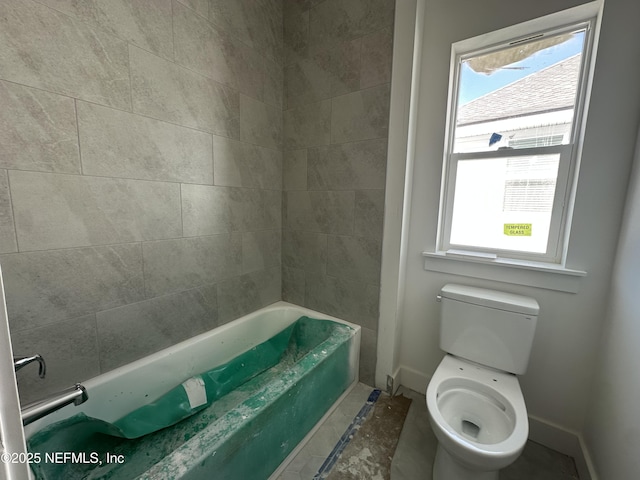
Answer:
(118, 392)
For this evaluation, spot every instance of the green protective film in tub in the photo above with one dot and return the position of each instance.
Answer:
(309, 345)
(259, 446)
(175, 405)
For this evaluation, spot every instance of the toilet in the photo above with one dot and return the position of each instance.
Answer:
(475, 404)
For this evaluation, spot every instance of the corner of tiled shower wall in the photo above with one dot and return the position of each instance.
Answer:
(140, 175)
(141, 170)
(337, 74)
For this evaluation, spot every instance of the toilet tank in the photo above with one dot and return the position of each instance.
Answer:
(492, 328)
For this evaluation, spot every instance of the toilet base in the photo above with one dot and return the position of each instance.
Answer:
(445, 467)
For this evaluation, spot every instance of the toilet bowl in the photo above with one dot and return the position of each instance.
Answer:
(479, 417)
(475, 404)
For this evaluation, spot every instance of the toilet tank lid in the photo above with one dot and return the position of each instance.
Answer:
(491, 298)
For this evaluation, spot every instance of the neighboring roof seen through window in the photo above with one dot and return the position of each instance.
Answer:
(521, 92)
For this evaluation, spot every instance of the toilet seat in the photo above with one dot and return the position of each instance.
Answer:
(477, 413)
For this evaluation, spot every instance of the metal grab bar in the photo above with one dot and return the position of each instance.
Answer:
(36, 410)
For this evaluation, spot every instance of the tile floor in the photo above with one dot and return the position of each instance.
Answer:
(416, 449)
(309, 460)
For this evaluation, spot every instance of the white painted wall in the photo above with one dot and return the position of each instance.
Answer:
(393, 247)
(557, 384)
(612, 426)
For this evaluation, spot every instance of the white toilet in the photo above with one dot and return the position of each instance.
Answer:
(475, 404)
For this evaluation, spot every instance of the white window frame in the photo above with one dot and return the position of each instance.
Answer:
(569, 154)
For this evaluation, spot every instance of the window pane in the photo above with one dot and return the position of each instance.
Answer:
(519, 97)
(504, 203)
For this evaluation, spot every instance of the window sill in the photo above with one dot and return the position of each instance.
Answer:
(534, 274)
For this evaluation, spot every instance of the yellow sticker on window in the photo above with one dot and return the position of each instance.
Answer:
(517, 229)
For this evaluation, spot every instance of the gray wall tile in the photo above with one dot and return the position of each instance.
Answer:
(368, 355)
(361, 115)
(234, 17)
(47, 287)
(350, 300)
(348, 166)
(247, 293)
(228, 160)
(308, 125)
(70, 350)
(7, 231)
(269, 29)
(339, 20)
(211, 51)
(377, 53)
(66, 56)
(303, 5)
(133, 331)
(58, 211)
(304, 251)
(337, 47)
(163, 90)
(127, 186)
(260, 123)
(262, 209)
(261, 250)
(293, 285)
(120, 144)
(273, 83)
(185, 263)
(308, 80)
(238, 164)
(296, 32)
(210, 210)
(240, 52)
(37, 130)
(146, 23)
(326, 71)
(356, 258)
(200, 6)
(346, 60)
(294, 170)
(257, 23)
(369, 213)
(324, 212)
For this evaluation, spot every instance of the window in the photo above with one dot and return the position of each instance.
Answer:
(512, 143)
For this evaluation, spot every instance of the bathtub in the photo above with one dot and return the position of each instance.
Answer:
(246, 434)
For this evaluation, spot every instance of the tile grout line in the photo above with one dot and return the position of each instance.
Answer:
(97, 338)
(13, 213)
(143, 115)
(138, 179)
(145, 286)
(347, 436)
(75, 107)
(173, 33)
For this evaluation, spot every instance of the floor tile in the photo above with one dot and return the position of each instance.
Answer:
(416, 449)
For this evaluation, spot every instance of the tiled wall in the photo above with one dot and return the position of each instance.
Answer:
(140, 175)
(144, 197)
(336, 113)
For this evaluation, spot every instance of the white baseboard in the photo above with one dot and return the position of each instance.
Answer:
(588, 462)
(395, 378)
(564, 441)
(413, 379)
